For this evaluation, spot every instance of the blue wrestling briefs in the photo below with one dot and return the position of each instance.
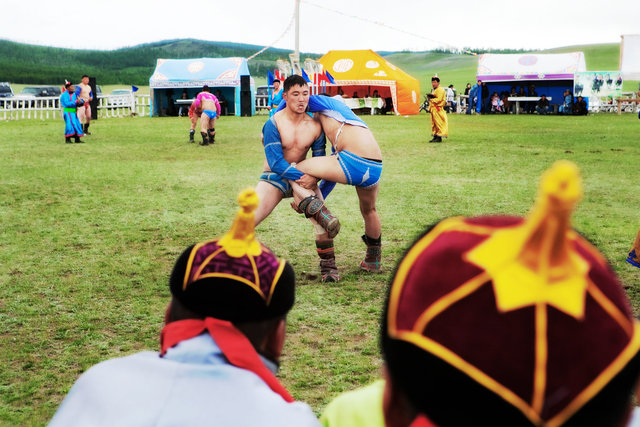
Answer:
(277, 181)
(359, 171)
(210, 113)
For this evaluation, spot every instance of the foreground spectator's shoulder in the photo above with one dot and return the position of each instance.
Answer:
(104, 389)
(634, 419)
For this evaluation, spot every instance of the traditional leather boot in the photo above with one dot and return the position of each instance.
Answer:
(67, 139)
(205, 140)
(328, 268)
(312, 206)
(78, 140)
(191, 135)
(212, 135)
(86, 129)
(372, 259)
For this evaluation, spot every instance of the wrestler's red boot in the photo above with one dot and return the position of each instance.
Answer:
(373, 258)
(328, 268)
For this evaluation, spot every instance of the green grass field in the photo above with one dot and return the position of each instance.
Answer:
(90, 233)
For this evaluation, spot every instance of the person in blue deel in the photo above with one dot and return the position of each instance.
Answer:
(70, 103)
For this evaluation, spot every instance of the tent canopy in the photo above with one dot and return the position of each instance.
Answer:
(191, 74)
(355, 68)
(514, 67)
(179, 73)
(547, 74)
(630, 57)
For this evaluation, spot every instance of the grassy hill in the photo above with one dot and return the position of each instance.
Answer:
(30, 64)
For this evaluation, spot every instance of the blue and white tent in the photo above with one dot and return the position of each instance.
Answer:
(172, 77)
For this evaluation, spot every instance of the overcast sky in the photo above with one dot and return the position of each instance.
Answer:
(336, 24)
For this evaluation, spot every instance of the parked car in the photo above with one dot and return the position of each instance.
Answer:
(263, 90)
(5, 90)
(41, 91)
(121, 92)
(119, 98)
(262, 96)
(30, 94)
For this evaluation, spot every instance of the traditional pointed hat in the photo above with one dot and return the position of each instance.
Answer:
(507, 321)
(235, 277)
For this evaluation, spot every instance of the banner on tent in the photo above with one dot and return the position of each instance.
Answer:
(598, 84)
(169, 84)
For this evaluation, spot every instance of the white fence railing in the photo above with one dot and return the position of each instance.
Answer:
(124, 105)
(30, 108)
(49, 107)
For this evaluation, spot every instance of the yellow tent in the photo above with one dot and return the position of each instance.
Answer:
(359, 73)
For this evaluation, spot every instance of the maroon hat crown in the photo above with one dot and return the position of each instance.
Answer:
(526, 311)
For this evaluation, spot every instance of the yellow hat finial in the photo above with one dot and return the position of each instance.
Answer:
(535, 262)
(547, 247)
(240, 240)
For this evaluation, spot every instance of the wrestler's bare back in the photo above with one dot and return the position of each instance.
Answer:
(297, 133)
(355, 139)
(207, 104)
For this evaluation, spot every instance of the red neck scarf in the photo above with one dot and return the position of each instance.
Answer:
(422, 421)
(234, 345)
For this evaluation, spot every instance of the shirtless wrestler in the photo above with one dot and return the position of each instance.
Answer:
(210, 109)
(194, 115)
(357, 161)
(84, 92)
(287, 138)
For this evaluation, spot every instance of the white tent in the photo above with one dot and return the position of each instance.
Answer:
(630, 57)
(514, 67)
(550, 73)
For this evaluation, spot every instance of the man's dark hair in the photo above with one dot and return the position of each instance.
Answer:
(435, 79)
(84, 75)
(205, 88)
(293, 80)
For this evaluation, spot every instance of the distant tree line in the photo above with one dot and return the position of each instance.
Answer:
(31, 64)
(481, 50)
